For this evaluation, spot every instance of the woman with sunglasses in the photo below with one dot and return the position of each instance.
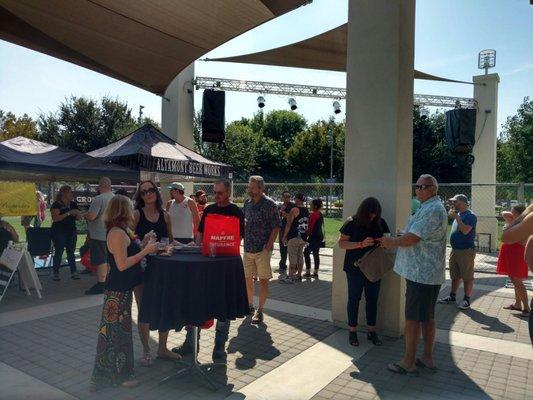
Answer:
(150, 220)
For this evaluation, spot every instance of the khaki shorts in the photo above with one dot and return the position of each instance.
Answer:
(295, 248)
(257, 265)
(462, 264)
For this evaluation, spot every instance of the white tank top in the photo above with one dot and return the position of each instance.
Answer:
(181, 219)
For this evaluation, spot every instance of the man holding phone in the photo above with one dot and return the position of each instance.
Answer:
(462, 257)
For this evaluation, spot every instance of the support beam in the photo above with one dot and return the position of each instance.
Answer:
(484, 167)
(379, 135)
(177, 109)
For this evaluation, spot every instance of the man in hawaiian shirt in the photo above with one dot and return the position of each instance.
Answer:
(421, 261)
(260, 232)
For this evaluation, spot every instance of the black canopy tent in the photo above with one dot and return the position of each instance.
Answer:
(150, 152)
(24, 159)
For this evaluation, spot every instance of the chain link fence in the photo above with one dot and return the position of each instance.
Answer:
(487, 200)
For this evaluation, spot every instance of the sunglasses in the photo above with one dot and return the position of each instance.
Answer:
(148, 191)
(422, 187)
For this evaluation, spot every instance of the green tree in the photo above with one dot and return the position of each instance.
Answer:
(12, 126)
(240, 149)
(431, 154)
(281, 125)
(84, 125)
(309, 154)
(515, 146)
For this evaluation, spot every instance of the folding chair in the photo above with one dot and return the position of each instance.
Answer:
(40, 246)
(9, 261)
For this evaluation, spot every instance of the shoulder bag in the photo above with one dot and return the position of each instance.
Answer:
(375, 263)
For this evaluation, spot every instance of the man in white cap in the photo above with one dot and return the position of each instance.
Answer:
(184, 216)
(462, 257)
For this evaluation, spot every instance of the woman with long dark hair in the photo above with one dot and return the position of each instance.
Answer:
(114, 352)
(150, 221)
(358, 236)
(315, 237)
(64, 213)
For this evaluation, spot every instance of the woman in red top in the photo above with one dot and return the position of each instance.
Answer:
(315, 237)
(511, 262)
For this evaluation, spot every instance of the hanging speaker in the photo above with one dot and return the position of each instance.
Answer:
(460, 130)
(213, 120)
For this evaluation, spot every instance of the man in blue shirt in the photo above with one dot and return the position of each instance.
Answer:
(462, 257)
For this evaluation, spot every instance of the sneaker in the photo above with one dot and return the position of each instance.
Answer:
(315, 274)
(97, 288)
(307, 274)
(287, 279)
(465, 304)
(447, 300)
(219, 352)
(258, 317)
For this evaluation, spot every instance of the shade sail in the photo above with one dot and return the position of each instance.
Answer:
(326, 51)
(31, 160)
(142, 42)
(148, 149)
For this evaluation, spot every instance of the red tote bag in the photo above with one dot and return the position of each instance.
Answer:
(224, 232)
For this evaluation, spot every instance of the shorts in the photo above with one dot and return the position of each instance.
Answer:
(462, 264)
(98, 250)
(420, 300)
(295, 248)
(257, 265)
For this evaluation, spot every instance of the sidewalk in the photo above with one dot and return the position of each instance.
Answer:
(48, 347)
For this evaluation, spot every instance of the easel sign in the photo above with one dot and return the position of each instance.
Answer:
(17, 199)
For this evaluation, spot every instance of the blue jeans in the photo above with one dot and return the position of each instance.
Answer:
(357, 282)
(64, 241)
(221, 332)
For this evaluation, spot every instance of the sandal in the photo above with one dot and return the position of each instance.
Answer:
(353, 339)
(146, 359)
(422, 364)
(512, 308)
(398, 369)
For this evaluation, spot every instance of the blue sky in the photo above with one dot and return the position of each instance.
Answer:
(449, 35)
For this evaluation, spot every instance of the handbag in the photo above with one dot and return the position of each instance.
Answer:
(375, 263)
(223, 233)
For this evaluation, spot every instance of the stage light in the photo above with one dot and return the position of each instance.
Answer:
(336, 107)
(260, 102)
(292, 103)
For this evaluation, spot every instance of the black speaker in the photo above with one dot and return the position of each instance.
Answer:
(213, 120)
(460, 130)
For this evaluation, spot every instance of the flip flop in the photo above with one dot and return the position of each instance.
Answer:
(422, 364)
(512, 308)
(398, 369)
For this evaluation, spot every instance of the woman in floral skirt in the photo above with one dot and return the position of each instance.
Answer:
(114, 352)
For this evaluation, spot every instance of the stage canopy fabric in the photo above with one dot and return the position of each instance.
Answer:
(143, 42)
(326, 51)
(30, 160)
(148, 149)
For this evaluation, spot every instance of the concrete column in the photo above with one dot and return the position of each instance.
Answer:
(484, 167)
(379, 132)
(177, 108)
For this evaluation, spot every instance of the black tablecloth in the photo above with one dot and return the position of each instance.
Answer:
(189, 289)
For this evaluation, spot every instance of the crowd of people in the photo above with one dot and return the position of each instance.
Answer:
(122, 231)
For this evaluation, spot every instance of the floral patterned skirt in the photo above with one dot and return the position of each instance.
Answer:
(114, 351)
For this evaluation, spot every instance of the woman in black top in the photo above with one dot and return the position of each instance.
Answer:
(150, 221)
(358, 236)
(114, 352)
(64, 235)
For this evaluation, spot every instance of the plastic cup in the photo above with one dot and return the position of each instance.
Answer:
(212, 249)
